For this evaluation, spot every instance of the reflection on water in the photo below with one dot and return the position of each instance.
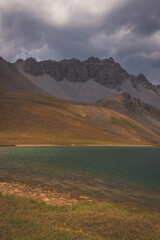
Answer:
(130, 174)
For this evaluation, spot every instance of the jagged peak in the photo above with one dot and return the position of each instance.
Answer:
(1, 59)
(30, 59)
(142, 78)
(93, 59)
(110, 59)
(20, 60)
(106, 71)
(73, 60)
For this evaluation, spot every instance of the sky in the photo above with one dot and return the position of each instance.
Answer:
(127, 30)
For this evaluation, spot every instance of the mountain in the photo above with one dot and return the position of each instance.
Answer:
(133, 108)
(31, 118)
(87, 81)
(73, 102)
(11, 79)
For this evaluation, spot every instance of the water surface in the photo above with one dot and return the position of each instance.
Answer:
(121, 174)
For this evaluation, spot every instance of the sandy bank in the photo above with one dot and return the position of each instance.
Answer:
(84, 145)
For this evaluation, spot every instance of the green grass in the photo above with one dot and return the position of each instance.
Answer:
(26, 219)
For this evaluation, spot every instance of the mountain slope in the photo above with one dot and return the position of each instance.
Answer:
(87, 81)
(30, 118)
(11, 79)
(143, 113)
(115, 118)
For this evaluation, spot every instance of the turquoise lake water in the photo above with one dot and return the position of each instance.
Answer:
(121, 174)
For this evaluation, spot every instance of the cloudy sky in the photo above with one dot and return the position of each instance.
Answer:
(127, 30)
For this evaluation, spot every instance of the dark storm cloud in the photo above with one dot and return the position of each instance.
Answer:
(143, 15)
(125, 29)
(139, 50)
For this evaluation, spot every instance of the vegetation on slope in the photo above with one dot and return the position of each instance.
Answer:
(30, 118)
(133, 108)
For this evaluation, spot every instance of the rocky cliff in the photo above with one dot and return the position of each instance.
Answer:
(104, 71)
(79, 81)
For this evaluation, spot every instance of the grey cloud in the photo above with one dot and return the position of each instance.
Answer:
(143, 15)
(135, 51)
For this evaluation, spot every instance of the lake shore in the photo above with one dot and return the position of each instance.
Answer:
(87, 145)
(60, 198)
(40, 194)
(80, 145)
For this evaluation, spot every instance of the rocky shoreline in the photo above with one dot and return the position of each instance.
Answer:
(40, 194)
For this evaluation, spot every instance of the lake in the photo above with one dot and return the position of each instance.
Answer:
(119, 174)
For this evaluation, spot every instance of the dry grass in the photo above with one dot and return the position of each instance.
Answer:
(27, 118)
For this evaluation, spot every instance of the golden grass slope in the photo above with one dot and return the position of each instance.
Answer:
(133, 108)
(31, 118)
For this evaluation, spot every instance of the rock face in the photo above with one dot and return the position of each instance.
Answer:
(79, 81)
(104, 71)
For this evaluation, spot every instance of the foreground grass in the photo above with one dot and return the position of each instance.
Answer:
(26, 219)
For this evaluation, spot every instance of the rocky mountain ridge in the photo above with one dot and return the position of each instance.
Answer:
(104, 71)
(78, 81)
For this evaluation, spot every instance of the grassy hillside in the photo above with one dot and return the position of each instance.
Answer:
(30, 118)
(26, 219)
(133, 108)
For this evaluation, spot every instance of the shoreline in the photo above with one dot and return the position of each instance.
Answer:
(40, 193)
(84, 145)
(63, 198)
(23, 217)
(79, 145)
